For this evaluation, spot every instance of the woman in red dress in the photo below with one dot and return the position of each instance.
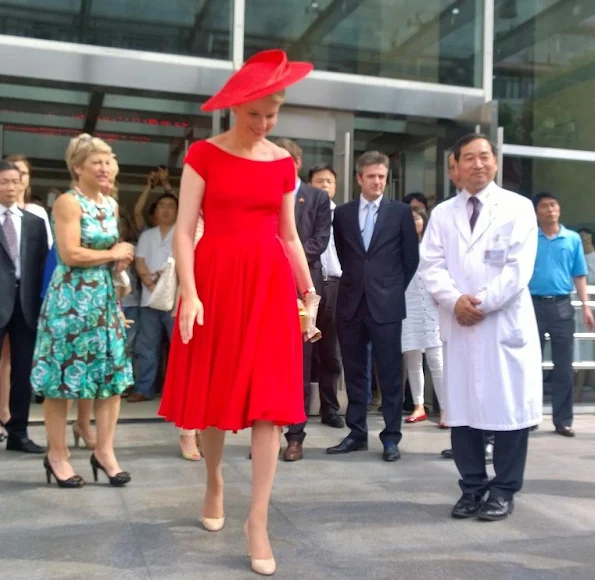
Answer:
(235, 359)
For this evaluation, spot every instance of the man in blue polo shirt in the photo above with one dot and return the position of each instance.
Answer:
(559, 268)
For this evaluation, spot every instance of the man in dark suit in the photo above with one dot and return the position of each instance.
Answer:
(23, 250)
(313, 222)
(379, 254)
(326, 351)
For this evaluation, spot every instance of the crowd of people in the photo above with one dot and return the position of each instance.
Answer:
(474, 289)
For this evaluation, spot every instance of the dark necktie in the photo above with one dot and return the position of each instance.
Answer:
(475, 214)
(10, 233)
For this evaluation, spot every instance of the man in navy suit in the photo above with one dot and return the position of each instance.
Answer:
(379, 254)
(313, 223)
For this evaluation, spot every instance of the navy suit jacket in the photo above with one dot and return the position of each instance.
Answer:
(313, 223)
(383, 272)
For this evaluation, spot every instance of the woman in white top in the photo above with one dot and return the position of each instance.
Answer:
(24, 202)
(421, 334)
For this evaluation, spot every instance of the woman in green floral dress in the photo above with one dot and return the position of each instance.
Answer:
(80, 351)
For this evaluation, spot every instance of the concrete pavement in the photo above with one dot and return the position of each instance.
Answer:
(332, 518)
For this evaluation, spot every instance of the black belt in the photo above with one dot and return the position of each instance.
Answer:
(558, 298)
(332, 279)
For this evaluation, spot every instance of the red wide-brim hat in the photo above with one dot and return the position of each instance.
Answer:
(263, 74)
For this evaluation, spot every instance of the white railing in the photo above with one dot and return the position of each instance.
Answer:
(584, 355)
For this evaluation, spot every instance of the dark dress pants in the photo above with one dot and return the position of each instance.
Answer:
(296, 432)
(329, 356)
(355, 335)
(510, 456)
(557, 319)
(22, 345)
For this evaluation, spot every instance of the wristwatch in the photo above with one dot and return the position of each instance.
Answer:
(310, 290)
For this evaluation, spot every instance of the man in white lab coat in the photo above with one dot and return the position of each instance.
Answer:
(477, 258)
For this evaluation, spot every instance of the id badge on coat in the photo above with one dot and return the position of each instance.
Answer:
(497, 253)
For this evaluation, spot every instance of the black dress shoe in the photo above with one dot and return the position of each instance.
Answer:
(333, 421)
(447, 454)
(24, 445)
(565, 431)
(391, 452)
(468, 506)
(347, 446)
(495, 508)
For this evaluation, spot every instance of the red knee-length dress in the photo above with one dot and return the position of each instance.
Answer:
(245, 363)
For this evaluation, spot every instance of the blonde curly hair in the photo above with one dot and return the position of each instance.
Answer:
(81, 148)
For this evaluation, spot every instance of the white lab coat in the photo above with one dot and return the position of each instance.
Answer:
(492, 370)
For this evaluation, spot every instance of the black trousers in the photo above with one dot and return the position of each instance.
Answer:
(22, 344)
(510, 456)
(556, 317)
(327, 349)
(296, 432)
(355, 335)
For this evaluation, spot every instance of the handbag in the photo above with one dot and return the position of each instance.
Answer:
(309, 331)
(122, 284)
(164, 295)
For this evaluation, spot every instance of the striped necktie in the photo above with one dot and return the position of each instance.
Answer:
(10, 233)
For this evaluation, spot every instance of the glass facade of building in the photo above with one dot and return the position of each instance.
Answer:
(431, 41)
(544, 80)
(544, 72)
(189, 27)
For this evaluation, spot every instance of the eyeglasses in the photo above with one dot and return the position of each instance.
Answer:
(83, 138)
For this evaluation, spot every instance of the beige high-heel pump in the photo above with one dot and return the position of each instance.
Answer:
(263, 567)
(194, 453)
(212, 524)
(76, 431)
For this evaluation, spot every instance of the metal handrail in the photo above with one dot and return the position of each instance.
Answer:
(578, 336)
(577, 366)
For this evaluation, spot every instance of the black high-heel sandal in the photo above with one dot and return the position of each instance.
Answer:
(73, 482)
(3, 435)
(118, 480)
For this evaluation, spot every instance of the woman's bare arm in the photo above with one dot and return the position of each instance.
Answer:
(192, 188)
(67, 220)
(289, 235)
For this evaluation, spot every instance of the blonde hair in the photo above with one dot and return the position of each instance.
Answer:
(278, 97)
(115, 169)
(81, 148)
(113, 174)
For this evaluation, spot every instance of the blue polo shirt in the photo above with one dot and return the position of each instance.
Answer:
(558, 261)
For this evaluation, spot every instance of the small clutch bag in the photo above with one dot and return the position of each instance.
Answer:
(309, 330)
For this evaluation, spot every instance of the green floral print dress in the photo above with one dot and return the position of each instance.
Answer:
(80, 352)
